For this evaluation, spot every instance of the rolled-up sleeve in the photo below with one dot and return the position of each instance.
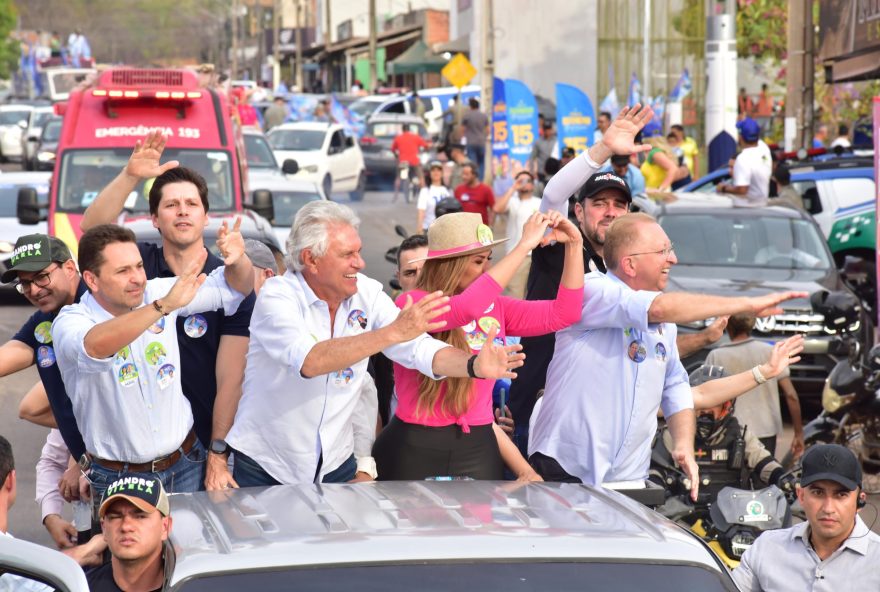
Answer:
(69, 333)
(214, 294)
(609, 303)
(417, 354)
(279, 326)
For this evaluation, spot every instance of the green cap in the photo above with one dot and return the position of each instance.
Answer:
(34, 252)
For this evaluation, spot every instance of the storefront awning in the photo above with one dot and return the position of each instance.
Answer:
(416, 60)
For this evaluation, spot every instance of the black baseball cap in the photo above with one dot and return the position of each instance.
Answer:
(146, 493)
(602, 181)
(831, 462)
(34, 252)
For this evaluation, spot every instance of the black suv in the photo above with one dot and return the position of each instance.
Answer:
(734, 251)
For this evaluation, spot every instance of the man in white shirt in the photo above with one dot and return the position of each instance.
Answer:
(519, 202)
(842, 138)
(750, 185)
(311, 334)
(118, 353)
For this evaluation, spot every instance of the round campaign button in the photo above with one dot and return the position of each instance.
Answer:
(122, 356)
(475, 339)
(43, 332)
(490, 309)
(484, 234)
(637, 351)
(660, 352)
(45, 356)
(343, 377)
(470, 327)
(165, 375)
(486, 324)
(357, 319)
(158, 326)
(156, 354)
(195, 326)
(127, 374)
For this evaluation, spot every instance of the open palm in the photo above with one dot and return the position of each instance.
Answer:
(620, 136)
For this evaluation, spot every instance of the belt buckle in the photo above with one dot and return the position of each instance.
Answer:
(153, 464)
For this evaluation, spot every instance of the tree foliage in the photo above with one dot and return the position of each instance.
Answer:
(9, 48)
(761, 29)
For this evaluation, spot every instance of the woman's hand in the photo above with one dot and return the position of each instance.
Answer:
(562, 230)
(533, 231)
(784, 354)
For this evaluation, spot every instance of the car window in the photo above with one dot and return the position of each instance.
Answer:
(337, 140)
(394, 107)
(516, 576)
(852, 191)
(391, 129)
(746, 240)
(288, 139)
(13, 117)
(810, 195)
(40, 118)
(52, 131)
(288, 203)
(259, 152)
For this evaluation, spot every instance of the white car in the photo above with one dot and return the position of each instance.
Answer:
(30, 139)
(10, 227)
(13, 121)
(324, 154)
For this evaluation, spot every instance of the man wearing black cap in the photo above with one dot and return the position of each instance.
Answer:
(834, 549)
(48, 278)
(136, 521)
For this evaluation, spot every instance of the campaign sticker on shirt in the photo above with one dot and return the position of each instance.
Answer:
(469, 327)
(486, 324)
(660, 329)
(122, 355)
(628, 331)
(357, 318)
(127, 374)
(465, 197)
(637, 351)
(158, 326)
(498, 341)
(165, 375)
(195, 326)
(343, 377)
(45, 356)
(475, 339)
(660, 352)
(43, 332)
(490, 309)
(156, 354)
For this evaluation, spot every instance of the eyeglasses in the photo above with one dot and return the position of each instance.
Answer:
(665, 252)
(41, 281)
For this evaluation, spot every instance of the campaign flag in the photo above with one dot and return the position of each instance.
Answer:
(500, 146)
(610, 104)
(635, 91)
(655, 126)
(575, 118)
(682, 88)
(343, 117)
(522, 119)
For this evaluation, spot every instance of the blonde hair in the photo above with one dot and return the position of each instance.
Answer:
(623, 233)
(445, 275)
(661, 143)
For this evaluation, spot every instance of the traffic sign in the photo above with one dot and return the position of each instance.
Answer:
(459, 70)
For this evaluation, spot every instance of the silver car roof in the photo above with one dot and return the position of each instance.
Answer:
(392, 522)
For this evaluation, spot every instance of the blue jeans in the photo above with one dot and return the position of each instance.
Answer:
(476, 154)
(248, 473)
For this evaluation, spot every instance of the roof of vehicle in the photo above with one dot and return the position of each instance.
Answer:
(698, 203)
(25, 178)
(396, 118)
(308, 125)
(394, 522)
(16, 107)
(284, 182)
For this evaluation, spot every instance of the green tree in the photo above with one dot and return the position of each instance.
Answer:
(761, 29)
(9, 47)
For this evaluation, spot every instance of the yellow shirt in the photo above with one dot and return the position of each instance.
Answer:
(654, 173)
(690, 150)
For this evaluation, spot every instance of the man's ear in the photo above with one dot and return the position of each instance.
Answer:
(91, 280)
(9, 483)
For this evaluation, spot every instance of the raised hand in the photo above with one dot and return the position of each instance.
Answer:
(784, 354)
(230, 243)
(498, 361)
(418, 318)
(620, 136)
(186, 286)
(563, 230)
(533, 230)
(144, 160)
(715, 331)
(768, 305)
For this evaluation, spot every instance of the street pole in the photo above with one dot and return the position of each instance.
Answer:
(646, 55)
(794, 77)
(327, 68)
(276, 43)
(234, 73)
(298, 41)
(488, 77)
(373, 77)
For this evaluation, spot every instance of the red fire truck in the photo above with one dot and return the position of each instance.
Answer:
(102, 124)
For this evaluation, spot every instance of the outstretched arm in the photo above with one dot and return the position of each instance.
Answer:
(683, 307)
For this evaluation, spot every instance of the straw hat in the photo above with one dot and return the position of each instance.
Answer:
(461, 233)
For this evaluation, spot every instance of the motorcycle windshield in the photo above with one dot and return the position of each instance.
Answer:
(764, 509)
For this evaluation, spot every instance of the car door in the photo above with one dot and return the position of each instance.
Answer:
(341, 165)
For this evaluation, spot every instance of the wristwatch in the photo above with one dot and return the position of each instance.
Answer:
(219, 446)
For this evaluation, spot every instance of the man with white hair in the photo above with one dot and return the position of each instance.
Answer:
(312, 330)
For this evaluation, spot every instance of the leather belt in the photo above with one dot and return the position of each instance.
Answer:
(154, 466)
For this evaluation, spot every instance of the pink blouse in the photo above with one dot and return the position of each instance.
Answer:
(477, 309)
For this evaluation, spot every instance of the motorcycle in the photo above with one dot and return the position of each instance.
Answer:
(850, 413)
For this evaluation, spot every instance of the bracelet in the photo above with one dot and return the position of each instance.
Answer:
(756, 373)
(470, 367)
(158, 308)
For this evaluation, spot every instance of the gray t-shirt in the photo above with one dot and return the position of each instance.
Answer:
(475, 122)
(759, 408)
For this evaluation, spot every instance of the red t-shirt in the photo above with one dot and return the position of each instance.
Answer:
(407, 145)
(477, 199)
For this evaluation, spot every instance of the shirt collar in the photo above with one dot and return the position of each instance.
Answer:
(858, 539)
(613, 277)
(310, 295)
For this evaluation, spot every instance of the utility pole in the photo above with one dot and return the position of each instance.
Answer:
(799, 76)
(299, 51)
(646, 55)
(328, 71)
(234, 73)
(488, 77)
(373, 77)
(276, 43)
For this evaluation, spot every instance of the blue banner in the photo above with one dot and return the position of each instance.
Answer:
(522, 119)
(500, 146)
(343, 117)
(575, 118)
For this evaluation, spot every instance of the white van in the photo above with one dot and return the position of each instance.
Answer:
(436, 101)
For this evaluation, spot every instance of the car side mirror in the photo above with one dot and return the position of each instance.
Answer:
(349, 142)
(28, 206)
(33, 139)
(290, 167)
(262, 204)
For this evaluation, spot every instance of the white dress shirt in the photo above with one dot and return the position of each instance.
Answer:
(610, 373)
(130, 407)
(286, 421)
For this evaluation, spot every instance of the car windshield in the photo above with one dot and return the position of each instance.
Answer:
(52, 131)
(41, 117)
(85, 172)
(259, 152)
(288, 203)
(392, 129)
(746, 240)
(516, 576)
(13, 117)
(9, 196)
(297, 139)
(363, 108)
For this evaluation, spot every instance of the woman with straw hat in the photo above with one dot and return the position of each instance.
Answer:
(447, 427)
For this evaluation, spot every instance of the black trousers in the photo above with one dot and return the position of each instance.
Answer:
(406, 451)
(550, 469)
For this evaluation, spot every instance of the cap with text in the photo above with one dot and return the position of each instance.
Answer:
(145, 493)
(34, 252)
(600, 182)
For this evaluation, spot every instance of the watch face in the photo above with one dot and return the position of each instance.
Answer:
(219, 446)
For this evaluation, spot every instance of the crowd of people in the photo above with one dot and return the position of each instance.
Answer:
(164, 363)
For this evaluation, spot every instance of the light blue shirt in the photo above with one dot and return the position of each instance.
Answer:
(633, 177)
(130, 406)
(599, 411)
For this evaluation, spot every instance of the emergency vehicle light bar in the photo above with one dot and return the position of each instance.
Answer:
(134, 94)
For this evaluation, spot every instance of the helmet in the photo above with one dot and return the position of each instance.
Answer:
(708, 422)
(447, 205)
